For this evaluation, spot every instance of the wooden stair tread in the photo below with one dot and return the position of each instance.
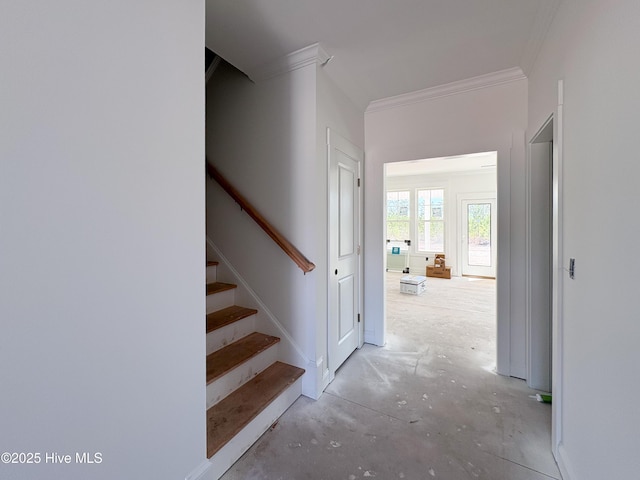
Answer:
(227, 358)
(217, 287)
(226, 316)
(233, 413)
(211, 263)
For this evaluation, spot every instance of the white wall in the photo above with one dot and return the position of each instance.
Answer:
(592, 46)
(337, 112)
(487, 119)
(101, 244)
(454, 184)
(261, 136)
(269, 139)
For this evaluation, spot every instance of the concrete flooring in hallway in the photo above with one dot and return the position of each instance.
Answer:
(428, 405)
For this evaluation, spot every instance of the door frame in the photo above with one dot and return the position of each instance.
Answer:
(557, 319)
(557, 266)
(336, 140)
(538, 345)
(471, 197)
(510, 148)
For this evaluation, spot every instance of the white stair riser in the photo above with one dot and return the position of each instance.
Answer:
(230, 333)
(220, 300)
(212, 273)
(233, 450)
(240, 375)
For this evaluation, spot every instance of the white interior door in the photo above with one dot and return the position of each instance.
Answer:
(479, 237)
(345, 330)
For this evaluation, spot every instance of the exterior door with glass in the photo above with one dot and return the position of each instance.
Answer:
(479, 237)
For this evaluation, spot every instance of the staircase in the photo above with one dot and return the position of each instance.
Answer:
(248, 389)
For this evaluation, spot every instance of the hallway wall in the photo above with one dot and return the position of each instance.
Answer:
(269, 139)
(592, 47)
(262, 137)
(102, 237)
(478, 120)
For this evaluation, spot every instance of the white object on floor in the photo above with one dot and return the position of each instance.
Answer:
(413, 284)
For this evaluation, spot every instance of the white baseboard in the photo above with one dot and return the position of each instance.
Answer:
(564, 464)
(371, 338)
(313, 385)
(200, 472)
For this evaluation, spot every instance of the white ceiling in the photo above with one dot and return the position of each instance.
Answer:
(383, 48)
(475, 162)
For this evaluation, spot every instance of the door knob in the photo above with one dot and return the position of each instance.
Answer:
(336, 271)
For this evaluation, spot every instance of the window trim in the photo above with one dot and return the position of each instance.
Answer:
(417, 220)
(409, 219)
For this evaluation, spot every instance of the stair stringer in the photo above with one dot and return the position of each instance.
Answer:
(266, 322)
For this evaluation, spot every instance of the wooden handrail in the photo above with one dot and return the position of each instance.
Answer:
(288, 248)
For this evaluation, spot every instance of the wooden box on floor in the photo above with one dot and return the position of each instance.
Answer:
(444, 272)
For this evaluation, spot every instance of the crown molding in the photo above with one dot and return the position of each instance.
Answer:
(544, 18)
(293, 61)
(453, 88)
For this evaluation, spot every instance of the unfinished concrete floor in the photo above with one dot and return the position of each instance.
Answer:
(427, 405)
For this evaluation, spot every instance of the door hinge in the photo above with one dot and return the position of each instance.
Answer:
(358, 182)
(358, 249)
(358, 318)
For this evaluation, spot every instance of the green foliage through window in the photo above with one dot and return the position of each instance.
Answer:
(428, 218)
(398, 216)
(431, 220)
(479, 218)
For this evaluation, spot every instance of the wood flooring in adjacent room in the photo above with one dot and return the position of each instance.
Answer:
(427, 405)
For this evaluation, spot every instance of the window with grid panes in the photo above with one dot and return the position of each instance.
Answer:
(398, 212)
(430, 220)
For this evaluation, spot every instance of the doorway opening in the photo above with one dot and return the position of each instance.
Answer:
(545, 265)
(539, 258)
(446, 207)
